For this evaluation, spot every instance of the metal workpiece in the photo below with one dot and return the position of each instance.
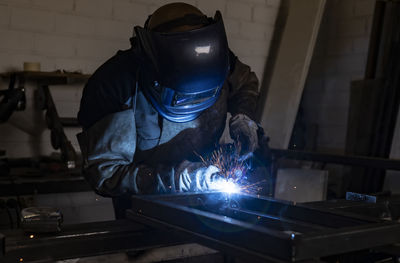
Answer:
(263, 228)
(385, 207)
(41, 219)
(83, 240)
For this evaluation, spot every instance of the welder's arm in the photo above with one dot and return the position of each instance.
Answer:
(108, 148)
(242, 102)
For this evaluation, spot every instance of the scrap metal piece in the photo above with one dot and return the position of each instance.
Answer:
(360, 197)
(41, 219)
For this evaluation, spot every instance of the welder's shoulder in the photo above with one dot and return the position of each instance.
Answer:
(116, 73)
(109, 89)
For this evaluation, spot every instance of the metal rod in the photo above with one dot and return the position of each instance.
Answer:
(379, 163)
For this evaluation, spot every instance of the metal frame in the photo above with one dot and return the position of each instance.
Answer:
(264, 228)
(83, 240)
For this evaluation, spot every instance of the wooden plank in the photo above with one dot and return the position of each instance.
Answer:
(40, 75)
(290, 70)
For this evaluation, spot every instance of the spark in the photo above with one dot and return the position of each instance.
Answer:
(232, 168)
(225, 186)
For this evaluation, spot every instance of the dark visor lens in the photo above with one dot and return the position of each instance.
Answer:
(181, 99)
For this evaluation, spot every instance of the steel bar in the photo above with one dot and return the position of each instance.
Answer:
(380, 163)
(84, 240)
(245, 224)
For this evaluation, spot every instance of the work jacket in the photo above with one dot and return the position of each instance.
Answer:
(123, 135)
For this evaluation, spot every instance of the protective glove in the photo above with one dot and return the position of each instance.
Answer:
(149, 180)
(243, 131)
(195, 177)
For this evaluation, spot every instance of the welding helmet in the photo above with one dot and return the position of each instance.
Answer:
(183, 71)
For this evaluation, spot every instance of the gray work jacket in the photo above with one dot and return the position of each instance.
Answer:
(123, 135)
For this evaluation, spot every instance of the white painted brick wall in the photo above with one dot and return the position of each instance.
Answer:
(210, 6)
(114, 29)
(95, 8)
(240, 11)
(16, 40)
(135, 13)
(52, 45)
(65, 5)
(4, 15)
(265, 14)
(82, 34)
(32, 20)
(69, 24)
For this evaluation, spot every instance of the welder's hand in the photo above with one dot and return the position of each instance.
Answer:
(243, 131)
(197, 181)
(154, 180)
(189, 166)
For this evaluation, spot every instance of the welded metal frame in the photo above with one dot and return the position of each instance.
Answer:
(83, 240)
(265, 228)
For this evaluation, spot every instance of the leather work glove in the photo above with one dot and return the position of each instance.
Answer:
(195, 177)
(243, 131)
(159, 180)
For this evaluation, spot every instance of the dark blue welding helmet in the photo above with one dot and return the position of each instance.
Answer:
(184, 71)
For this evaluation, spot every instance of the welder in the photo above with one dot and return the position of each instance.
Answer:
(149, 112)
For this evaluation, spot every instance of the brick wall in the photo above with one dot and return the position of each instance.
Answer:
(82, 34)
(340, 56)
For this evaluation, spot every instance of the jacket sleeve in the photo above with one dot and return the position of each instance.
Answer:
(243, 89)
(108, 148)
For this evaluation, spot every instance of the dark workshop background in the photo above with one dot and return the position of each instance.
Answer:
(79, 35)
